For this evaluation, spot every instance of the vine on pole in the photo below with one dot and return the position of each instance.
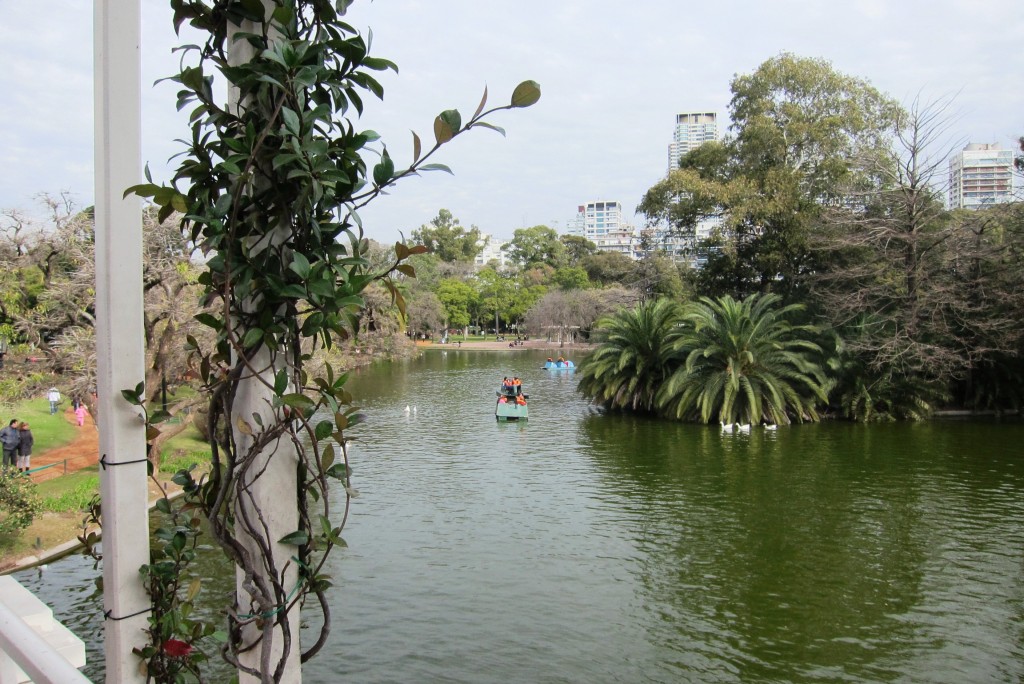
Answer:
(268, 191)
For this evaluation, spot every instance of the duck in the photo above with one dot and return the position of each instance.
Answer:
(744, 428)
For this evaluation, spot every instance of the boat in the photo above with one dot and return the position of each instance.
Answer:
(561, 364)
(511, 405)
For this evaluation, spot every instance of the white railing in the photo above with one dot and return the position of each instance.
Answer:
(33, 646)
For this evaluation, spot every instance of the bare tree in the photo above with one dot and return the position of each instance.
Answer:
(50, 266)
(918, 289)
(563, 316)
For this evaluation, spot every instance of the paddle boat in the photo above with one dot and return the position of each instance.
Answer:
(560, 364)
(511, 405)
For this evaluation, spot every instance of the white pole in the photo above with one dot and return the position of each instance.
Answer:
(119, 333)
(271, 486)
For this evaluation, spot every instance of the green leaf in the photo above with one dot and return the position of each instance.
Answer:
(142, 190)
(337, 471)
(281, 382)
(384, 171)
(452, 118)
(324, 429)
(253, 336)
(435, 167)
(131, 397)
(526, 94)
(484, 124)
(297, 400)
(300, 265)
(291, 120)
(209, 320)
(298, 538)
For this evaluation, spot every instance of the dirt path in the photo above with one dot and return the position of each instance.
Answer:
(83, 452)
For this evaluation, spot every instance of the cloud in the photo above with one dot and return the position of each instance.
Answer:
(613, 77)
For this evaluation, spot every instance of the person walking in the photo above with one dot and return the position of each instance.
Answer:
(80, 414)
(54, 397)
(26, 440)
(10, 437)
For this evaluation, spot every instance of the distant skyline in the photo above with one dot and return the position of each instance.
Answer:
(613, 77)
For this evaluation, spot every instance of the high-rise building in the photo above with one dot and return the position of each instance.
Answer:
(601, 223)
(491, 250)
(692, 131)
(980, 175)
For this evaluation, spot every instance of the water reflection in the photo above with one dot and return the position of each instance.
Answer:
(600, 548)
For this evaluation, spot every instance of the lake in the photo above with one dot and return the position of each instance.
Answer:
(583, 547)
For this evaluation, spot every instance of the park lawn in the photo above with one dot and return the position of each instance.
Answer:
(49, 431)
(66, 497)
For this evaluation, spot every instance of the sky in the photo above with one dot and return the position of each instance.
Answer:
(613, 75)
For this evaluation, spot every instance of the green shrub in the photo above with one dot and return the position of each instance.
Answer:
(19, 502)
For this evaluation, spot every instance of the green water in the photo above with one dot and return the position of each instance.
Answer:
(581, 547)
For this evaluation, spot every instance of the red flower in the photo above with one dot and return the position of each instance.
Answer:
(177, 649)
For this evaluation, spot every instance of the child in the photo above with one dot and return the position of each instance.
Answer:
(80, 414)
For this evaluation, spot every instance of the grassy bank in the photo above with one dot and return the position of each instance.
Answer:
(66, 497)
(49, 431)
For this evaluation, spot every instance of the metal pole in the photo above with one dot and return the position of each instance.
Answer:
(119, 332)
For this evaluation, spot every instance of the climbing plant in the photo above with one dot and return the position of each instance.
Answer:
(268, 191)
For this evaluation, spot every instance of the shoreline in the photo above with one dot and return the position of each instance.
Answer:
(533, 345)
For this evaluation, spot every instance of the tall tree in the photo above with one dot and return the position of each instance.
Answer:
(576, 248)
(536, 245)
(459, 301)
(798, 124)
(446, 238)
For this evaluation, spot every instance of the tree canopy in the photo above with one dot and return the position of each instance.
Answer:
(801, 130)
(450, 241)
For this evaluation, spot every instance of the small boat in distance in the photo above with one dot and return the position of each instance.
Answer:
(560, 364)
(511, 405)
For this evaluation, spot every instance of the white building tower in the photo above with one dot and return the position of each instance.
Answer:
(980, 175)
(692, 130)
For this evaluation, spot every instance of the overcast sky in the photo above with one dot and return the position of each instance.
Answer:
(613, 76)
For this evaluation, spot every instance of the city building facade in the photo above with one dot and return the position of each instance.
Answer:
(601, 222)
(980, 175)
(692, 130)
(493, 250)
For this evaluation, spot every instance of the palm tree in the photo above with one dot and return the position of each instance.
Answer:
(745, 362)
(626, 370)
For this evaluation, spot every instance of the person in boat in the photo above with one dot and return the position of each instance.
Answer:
(561, 359)
(520, 400)
(517, 384)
